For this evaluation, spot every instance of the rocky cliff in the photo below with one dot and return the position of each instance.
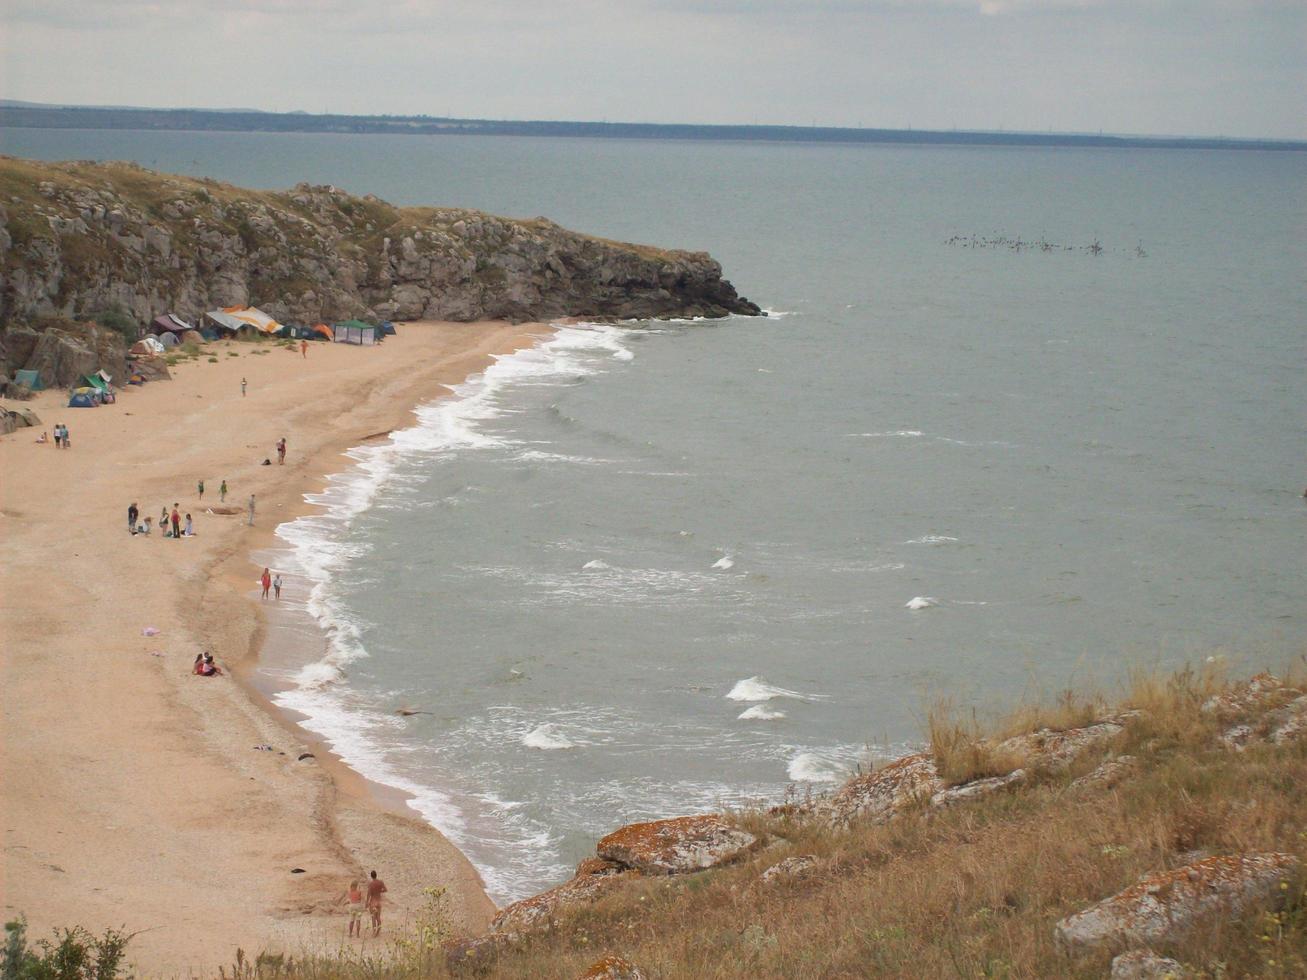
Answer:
(81, 237)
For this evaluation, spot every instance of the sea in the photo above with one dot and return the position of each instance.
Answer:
(1019, 420)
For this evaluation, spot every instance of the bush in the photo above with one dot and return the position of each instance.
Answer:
(117, 318)
(73, 955)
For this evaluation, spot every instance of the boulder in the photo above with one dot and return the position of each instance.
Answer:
(1259, 692)
(676, 846)
(613, 967)
(1109, 773)
(152, 368)
(882, 794)
(799, 866)
(1238, 737)
(464, 956)
(1144, 964)
(1290, 722)
(1049, 749)
(1165, 906)
(540, 911)
(978, 788)
(61, 359)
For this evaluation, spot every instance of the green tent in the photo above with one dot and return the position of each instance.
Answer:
(95, 381)
(31, 379)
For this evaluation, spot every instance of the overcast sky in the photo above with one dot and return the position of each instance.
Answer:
(1196, 67)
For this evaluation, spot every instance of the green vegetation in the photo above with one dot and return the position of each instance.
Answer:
(73, 954)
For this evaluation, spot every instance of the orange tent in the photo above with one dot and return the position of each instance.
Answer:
(324, 331)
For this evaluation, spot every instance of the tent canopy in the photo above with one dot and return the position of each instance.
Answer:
(387, 328)
(169, 323)
(95, 381)
(30, 378)
(168, 339)
(320, 331)
(356, 332)
(80, 400)
(254, 317)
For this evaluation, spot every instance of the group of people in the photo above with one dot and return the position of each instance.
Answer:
(270, 581)
(204, 665)
(170, 523)
(60, 436)
(357, 901)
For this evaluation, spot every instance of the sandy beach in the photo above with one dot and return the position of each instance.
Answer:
(133, 795)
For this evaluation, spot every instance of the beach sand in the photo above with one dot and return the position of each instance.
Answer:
(133, 796)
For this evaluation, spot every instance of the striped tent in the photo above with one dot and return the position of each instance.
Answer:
(253, 317)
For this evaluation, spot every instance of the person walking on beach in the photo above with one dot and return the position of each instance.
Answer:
(304, 348)
(276, 586)
(176, 523)
(354, 903)
(281, 451)
(222, 492)
(132, 514)
(266, 580)
(251, 510)
(242, 387)
(200, 487)
(376, 888)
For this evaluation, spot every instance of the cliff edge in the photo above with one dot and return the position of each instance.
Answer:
(80, 237)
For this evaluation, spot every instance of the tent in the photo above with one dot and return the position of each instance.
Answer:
(168, 339)
(79, 400)
(253, 317)
(387, 328)
(357, 332)
(169, 323)
(223, 321)
(320, 331)
(95, 381)
(31, 379)
(147, 347)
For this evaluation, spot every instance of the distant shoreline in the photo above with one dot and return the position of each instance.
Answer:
(241, 121)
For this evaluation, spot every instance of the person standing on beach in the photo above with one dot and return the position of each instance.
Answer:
(276, 586)
(163, 521)
(222, 492)
(176, 523)
(304, 348)
(376, 888)
(354, 901)
(200, 487)
(132, 514)
(242, 387)
(190, 528)
(281, 451)
(266, 581)
(251, 510)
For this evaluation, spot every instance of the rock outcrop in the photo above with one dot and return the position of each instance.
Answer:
(677, 846)
(1165, 906)
(613, 967)
(81, 237)
(62, 351)
(1144, 964)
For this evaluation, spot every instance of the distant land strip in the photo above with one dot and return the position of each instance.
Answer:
(35, 116)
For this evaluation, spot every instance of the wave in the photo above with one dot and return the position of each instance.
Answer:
(548, 738)
(725, 563)
(596, 565)
(932, 539)
(757, 689)
(921, 602)
(760, 712)
(812, 767)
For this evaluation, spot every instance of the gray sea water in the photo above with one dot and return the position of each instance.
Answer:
(650, 569)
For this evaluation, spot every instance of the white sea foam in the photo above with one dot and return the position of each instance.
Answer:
(893, 434)
(595, 565)
(724, 563)
(757, 689)
(363, 735)
(812, 767)
(760, 712)
(932, 539)
(921, 602)
(547, 737)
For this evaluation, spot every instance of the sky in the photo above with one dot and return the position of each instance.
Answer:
(1158, 67)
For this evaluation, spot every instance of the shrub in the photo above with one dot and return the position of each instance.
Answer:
(117, 318)
(73, 955)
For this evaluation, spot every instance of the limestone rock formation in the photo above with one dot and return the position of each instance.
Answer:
(62, 351)
(799, 866)
(884, 793)
(1144, 964)
(977, 788)
(1058, 749)
(80, 237)
(1165, 906)
(1109, 773)
(539, 911)
(613, 967)
(676, 846)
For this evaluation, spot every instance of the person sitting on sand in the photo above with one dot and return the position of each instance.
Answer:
(145, 527)
(204, 665)
(43, 438)
(354, 903)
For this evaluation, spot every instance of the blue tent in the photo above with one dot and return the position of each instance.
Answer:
(30, 378)
(81, 400)
(387, 328)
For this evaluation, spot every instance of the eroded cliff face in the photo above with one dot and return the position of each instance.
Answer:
(80, 237)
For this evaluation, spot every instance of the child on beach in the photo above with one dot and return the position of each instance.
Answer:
(43, 439)
(276, 585)
(144, 528)
(354, 904)
(190, 528)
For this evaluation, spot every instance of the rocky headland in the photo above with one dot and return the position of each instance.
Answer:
(76, 238)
